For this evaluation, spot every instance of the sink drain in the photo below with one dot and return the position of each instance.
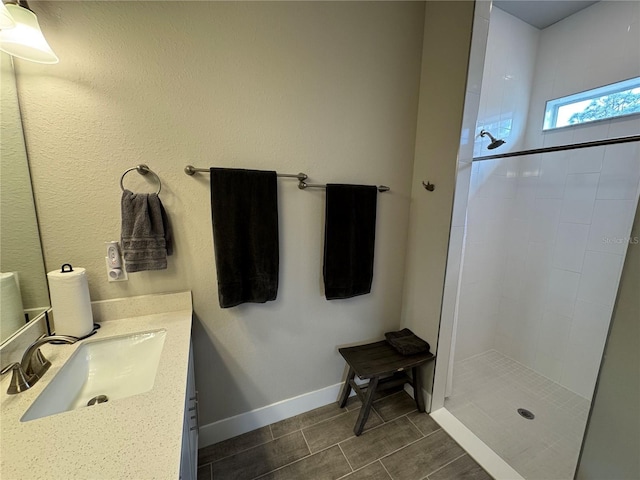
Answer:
(526, 414)
(97, 399)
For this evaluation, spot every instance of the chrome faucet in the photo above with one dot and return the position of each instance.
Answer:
(33, 366)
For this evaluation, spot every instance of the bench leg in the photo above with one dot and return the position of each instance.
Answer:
(366, 406)
(417, 389)
(346, 388)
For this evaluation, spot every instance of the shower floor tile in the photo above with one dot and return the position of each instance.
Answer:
(487, 391)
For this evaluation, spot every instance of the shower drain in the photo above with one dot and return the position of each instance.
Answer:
(526, 414)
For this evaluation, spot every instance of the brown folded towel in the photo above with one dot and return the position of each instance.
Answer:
(406, 342)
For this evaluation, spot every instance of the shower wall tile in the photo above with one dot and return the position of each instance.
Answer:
(461, 195)
(594, 47)
(545, 219)
(546, 234)
(548, 365)
(600, 277)
(562, 292)
(553, 175)
(571, 243)
(611, 226)
(506, 82)
(586, 160)
(580, 369)
(625, 126)
(579, 197)
(620, 172)
(590, 323)
(554, 333)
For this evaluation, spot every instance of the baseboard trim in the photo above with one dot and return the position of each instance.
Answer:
(427, 396)
(476, 448)
(261, 417)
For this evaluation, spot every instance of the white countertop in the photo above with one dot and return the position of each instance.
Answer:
(138, 437)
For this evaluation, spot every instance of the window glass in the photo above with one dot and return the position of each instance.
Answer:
(615, 100)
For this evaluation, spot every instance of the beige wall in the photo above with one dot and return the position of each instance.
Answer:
(20, 245)
(327, 88)
(442, 92)
(612, 440)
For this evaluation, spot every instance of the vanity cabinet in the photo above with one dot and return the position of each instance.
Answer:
(189, 458)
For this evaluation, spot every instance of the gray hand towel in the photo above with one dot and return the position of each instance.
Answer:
(146, 236)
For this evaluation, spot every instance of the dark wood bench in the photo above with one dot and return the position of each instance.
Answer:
(385, 368)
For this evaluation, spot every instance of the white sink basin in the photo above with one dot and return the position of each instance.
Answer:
(117, 367)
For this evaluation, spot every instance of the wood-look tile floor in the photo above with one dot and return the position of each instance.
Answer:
(398, 443)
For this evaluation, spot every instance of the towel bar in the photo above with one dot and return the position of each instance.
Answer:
(302, 185)
(191, 170)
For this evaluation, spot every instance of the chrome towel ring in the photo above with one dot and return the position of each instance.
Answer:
(142, 170)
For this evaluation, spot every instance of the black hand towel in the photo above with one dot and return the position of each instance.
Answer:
(146, 235)
(244, 207)
(406, 342)
(349, 240)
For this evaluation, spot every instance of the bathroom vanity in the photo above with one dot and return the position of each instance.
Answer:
(152, 434)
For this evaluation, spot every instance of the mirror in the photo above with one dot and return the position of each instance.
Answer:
(23, 281)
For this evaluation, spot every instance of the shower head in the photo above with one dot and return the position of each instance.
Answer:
(495, 143)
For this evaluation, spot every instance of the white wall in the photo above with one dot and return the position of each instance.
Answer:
(503, 100)
(327, 88)
(506, 82)
(597, 46)
(544, 243)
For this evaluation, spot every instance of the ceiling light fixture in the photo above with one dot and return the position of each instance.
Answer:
(25, 40)
(5, 18)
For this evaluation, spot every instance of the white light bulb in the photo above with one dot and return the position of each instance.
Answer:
(26, 40)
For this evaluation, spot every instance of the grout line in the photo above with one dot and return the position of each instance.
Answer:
(417, 428)
(440, 468)
(290, 463)
(247, 449)
(345, 457)
(385, 468)
(273, 438)
(210, 470)
(398, 449)
(360, 468)
(306, 443)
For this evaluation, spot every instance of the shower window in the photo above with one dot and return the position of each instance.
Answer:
(614, 100)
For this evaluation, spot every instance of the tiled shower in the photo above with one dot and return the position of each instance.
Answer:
(542, 239)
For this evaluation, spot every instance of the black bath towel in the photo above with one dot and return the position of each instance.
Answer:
(244, 207)
(349, 240)
(406, 342)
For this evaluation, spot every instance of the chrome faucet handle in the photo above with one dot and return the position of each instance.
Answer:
(20, 381)
(38, 364)
(31, 349)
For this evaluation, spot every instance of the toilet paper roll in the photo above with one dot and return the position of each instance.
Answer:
(70, 301)
(11, 309)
